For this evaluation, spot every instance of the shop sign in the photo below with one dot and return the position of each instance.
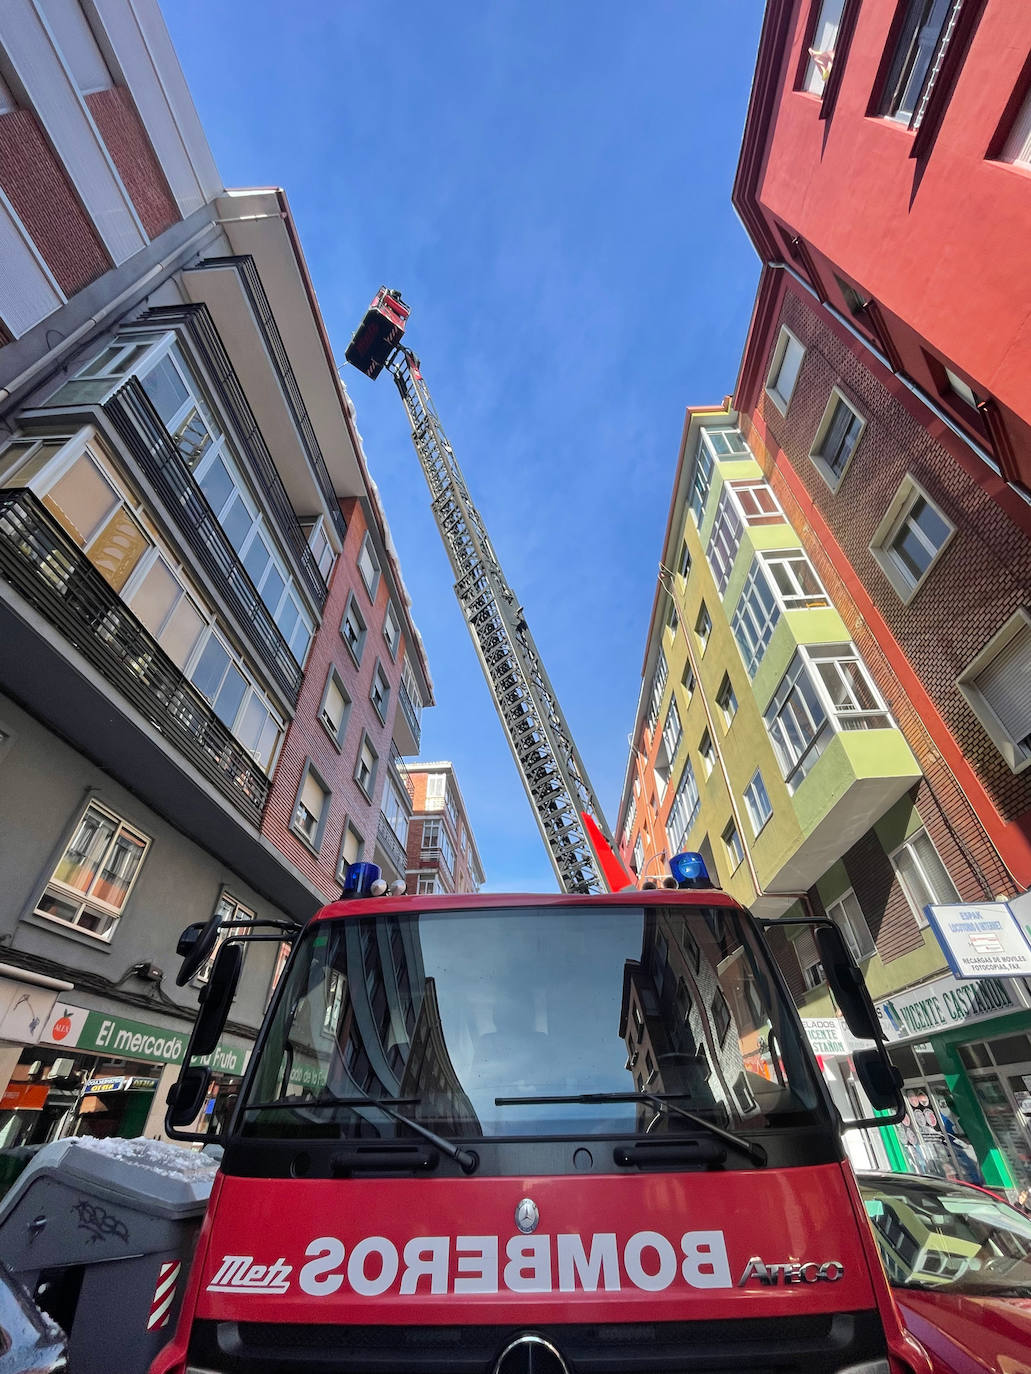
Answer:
(120, 1085)
(981, 940)
(24, 1010)
(828, 1035)
(26, 1097)
(75, 1027)
(945, 1003)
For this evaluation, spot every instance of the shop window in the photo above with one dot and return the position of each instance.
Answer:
(836, 439)
(784, 369)
(353, 629)
(922, 875)
(997, 688)
(95, 875)
(911, 537)
(311, 808)
(335, 708)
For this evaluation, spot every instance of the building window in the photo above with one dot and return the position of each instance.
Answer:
(703, 627)
(352, 846)
(826, 689)
(958, 387)
(321, 548)
(855, 301)
(230, 913)
(672, 619)
(687, 681)
(436, 786)
(637, 861)
(391, 631)
(368, 566)
(755, 618)
(910, 538)
(426, 885)
(706, 752)
(727, 443)
(847, 915)
(671, 732)
(726, 700)
(684, 810)
(658, 688)
(725, 539)
(365, 768)
(451, 807)
(684, 565)
(431, 830)
(821, 53)
(997, 687)
(631, 817)
(757, 802)
(379, 692)
(758, 504)
(1017, 147)
(794, 579)
(395, 808)
(352, 629)
(701, 480)
(787, 363)
(923, 876)
(447, 851)
(926, 30)
(335, 708)
(95, 875)
(812, 975)
(732, 842)
(836, 439)
(311, 807)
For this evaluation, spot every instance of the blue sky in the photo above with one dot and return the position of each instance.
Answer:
(548, 184)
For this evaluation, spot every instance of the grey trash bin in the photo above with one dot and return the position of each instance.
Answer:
(101, 1232)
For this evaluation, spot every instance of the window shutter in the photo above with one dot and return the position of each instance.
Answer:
(312, 796)
(1005, 685)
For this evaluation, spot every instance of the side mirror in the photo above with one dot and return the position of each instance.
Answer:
(186, 1097)
(216, 999)
(195, 945)
(882, 1083)
(846, 983)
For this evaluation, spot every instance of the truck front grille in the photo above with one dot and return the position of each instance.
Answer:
(820, 1344)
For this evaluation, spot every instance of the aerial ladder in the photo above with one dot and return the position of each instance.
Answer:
(563, 801)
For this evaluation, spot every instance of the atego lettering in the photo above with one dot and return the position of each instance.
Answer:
(793, 1271)
(440, 1265)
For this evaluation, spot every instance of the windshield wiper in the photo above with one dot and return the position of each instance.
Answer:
(755, 1153)
(468, 1159)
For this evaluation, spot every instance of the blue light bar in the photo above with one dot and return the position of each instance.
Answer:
(689, 869)
(359, 879)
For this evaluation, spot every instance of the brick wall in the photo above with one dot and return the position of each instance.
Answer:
(127, 142)
(307, 738)
(982, 577)
(45, 202)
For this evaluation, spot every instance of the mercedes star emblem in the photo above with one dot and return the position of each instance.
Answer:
(527, 1215)
(530, 1354)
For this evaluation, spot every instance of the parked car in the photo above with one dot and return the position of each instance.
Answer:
(30, 1343)
(959, 1260)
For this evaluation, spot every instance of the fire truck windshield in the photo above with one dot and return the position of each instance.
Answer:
(439, 1013)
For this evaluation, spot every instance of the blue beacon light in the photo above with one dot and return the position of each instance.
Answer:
(689, 870)
(359, 878)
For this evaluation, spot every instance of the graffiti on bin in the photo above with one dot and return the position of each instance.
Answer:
(100, 1224)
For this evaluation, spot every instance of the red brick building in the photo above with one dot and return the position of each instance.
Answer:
(442, 853)
(886, 162)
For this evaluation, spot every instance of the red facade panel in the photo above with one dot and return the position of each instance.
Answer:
(126, 139)
(45, 202)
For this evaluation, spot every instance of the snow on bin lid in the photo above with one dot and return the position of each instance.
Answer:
(170, 1178)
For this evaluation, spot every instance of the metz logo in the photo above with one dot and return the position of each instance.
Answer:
(239, 1274)
(769, 1275)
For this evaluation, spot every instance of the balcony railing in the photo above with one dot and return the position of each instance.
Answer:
(44, 566)
(140, 429)
(410, 714)
(401, 769)
(391, 845)
(277, 350)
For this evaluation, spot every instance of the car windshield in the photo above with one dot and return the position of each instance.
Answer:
(944, 1236)
(442, 1012)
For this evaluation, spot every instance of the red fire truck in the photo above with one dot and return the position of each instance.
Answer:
(532, 1135)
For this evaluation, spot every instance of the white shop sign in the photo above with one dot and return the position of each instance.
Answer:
(945, 1004)
(981, 939)
(828, 1035)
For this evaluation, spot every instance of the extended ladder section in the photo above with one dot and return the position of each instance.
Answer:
(549, 763)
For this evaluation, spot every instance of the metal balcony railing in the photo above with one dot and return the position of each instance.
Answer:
(401, 769)
(140, 429)
(391, 845)
(44, 566)
(410, 714)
